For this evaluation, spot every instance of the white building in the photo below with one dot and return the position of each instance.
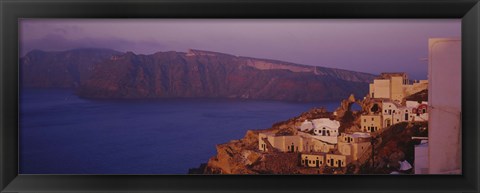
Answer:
(312, 160)
(389, 86)
(354, 144)
(394, 86)
(314, 143)
(325, 127)
(306, 126)
(337, 160)
(419, 104)
(419, 111)
(393, 113)
(371, 123)
(406, 114)
(303, 142)
(390, 112)
(292, 143)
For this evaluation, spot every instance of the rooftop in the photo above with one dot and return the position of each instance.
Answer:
(314, 153)
(388, 75)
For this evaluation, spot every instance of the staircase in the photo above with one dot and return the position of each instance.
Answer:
(270, 147)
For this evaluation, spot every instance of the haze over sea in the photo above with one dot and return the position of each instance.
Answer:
(61, 133)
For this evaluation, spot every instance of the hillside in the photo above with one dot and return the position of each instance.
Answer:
(394, 143)
(63, 69)
(111, 74)
(242, 156)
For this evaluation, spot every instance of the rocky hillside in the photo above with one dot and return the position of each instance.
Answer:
(110, 74)
(242, 156)
(63, 69)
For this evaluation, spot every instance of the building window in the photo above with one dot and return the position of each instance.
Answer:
(372, 118)
(364, 120)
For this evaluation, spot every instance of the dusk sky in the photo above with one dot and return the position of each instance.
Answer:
(372, 46)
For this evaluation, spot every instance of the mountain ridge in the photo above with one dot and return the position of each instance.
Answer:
(105, 73)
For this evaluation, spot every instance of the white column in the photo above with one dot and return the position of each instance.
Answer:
(444, 99)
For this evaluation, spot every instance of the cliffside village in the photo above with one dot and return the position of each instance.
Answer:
(392, 99)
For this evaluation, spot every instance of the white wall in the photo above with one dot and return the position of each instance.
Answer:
(421, 159)
(444, 97)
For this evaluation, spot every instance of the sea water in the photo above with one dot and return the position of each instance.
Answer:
(60, 133)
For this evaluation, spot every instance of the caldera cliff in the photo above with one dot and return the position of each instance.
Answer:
(110, 74)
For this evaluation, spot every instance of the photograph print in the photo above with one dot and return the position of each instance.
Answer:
(240, 96)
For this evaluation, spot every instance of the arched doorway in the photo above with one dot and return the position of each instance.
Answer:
(388, 122)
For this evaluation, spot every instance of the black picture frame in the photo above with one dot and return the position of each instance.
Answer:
(11, 11)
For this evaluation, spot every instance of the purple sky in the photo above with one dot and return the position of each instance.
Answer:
(371, 46)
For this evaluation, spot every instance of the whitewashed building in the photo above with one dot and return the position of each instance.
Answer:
(405, 114)
(419, 111)
(419, 104)
(371, 123)
(325, 127)
(390, 112)
(394, 86)
(314, 143)
(353, 144)
(312, 160)
(302, 142)
(292, 143)
(306, 126)
(389, 86)
(337, 160)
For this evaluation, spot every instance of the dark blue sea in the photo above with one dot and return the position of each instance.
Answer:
(61, 133)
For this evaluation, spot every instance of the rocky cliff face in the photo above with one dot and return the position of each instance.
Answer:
(65, 69)
(109, 74)
(242, 156)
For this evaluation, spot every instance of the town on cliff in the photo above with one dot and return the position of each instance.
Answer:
(387, 135)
